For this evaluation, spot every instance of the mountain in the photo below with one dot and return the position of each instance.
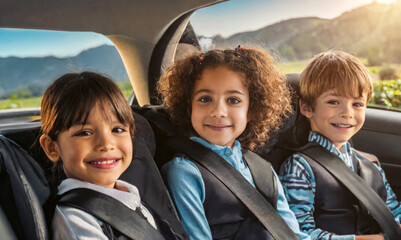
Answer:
(272, 35)
(15, 72)
(371, 31)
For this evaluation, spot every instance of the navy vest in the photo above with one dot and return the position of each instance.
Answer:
(336, 209)
(227, 216)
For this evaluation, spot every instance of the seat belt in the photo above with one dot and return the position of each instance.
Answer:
(236, 183)
(112, 212)
(357, 186)
(261, 175)
(223, 171)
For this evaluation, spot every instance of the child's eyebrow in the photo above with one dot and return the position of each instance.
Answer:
(79, 123)
(210, 91)
(235, 91)
(332, 95)
(203, 91)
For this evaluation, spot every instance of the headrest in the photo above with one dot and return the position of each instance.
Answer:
(144, 130)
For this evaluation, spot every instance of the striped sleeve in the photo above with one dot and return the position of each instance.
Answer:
(299, 185)
(391, 200)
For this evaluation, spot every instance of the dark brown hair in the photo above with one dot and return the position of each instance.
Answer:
(70, 99)
(334, 70)
(269, 98)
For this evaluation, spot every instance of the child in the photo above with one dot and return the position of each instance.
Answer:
(87, 127)
(225, 100)
(335, 89)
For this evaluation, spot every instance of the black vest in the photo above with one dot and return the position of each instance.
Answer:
(227, 216)
(336, 208)
(143, 173)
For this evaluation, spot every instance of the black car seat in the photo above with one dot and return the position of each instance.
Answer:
(292, 135)
(25, 189)
(27, 193)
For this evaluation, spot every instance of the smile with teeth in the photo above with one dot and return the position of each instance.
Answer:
(341, 125)
(103, 162)
(217, 126)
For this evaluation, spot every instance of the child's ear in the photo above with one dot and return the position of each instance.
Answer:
(305, 109)
(50, 147)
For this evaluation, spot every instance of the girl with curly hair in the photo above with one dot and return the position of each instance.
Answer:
(227, 100)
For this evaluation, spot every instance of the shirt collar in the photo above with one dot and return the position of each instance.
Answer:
(221, 150)
(345, 154)
(131, 199)
(233, 156)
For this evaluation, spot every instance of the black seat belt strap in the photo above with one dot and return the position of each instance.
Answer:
(262, 174)
(236, 183)
(112, 212)
(357, 186)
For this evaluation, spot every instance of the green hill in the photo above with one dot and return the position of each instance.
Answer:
(372, 31)
(271, 36)
(369, 31)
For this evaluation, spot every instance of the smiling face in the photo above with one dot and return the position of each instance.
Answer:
(336, 117)
(220, 105)
(97, 152)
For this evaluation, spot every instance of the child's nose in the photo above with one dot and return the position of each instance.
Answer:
(219, 110)
(104, 142)
(347, 111)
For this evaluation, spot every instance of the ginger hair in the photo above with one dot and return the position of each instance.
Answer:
(334, 70)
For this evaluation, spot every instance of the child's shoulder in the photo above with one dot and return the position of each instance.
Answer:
(296, 165)
(180, 166)
(71, 221)
(364, 155)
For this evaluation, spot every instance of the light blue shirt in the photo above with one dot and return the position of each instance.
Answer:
(299, 184)
(188, 190)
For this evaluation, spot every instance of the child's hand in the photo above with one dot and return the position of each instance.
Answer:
(370, 237)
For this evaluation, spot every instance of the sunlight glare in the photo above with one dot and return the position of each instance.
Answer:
(386, 1)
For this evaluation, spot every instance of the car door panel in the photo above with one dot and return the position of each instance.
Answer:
(381, 136)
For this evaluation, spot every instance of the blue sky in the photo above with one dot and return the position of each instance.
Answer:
(232, 17)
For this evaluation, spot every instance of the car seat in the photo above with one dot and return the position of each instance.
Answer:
(292, 135)
(27, 192)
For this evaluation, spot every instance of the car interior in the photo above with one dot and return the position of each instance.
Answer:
(147, 46)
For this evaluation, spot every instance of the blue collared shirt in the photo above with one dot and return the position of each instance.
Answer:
(299, 185)
(188, 190)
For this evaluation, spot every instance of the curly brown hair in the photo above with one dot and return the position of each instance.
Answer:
(269, 98)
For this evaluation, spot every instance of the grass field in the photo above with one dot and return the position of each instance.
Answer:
(292, 67)
(20, 103)
(285, 68)
(35, 101)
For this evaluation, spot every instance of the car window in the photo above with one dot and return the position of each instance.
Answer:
(31, 59)
(294, 31)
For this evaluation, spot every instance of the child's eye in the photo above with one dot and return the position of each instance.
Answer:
(233, 100)
(205, 99)
(119, 130)
(83, 133)
(358, 104)
(333, 102)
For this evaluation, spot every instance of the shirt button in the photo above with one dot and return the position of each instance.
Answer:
(227, 154)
